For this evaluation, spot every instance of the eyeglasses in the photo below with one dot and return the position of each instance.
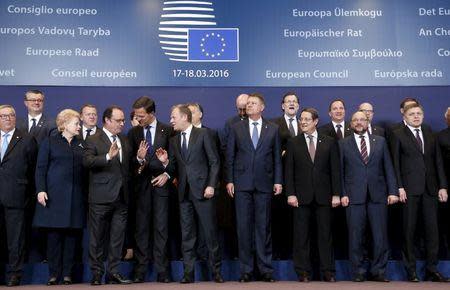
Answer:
(7, 116)
(35, 100)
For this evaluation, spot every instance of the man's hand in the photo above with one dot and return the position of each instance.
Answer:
(209, 192)
(113, 150)
(345, 201)
(443, 196)
(142, 151)
(277, 189)
(42, 197)
(230, 189)
(392, 199)
(402, 195)
(335, 201)
(162, 156)
(293, 201)
(160, 180)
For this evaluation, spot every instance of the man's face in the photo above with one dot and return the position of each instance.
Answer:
(254, 107)
(89, 117)
(196, 115)
(116, 123)
(7, 119)
(143, 117)
(359, 123)
(368, 110)
(307, 124)
(34, 103)
(290, 105)
(178, 120)
(337, 112)
(241, 104)
(414, 117)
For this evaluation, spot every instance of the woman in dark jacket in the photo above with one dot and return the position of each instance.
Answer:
(59, 184)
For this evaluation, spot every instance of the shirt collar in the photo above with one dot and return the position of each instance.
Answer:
(341, 123)
(259, 121)
(37, 118)
(314, 134)
(188, 130)
(10, 132)
(109, 134)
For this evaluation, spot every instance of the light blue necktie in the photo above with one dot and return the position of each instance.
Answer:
(4, 145)
(255, 137)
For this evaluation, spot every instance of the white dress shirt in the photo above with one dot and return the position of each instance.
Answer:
(315, 136)
(119, 145)
(294, 123)
(188, 132)
(258, 127)
(30, 121)
(358, 141)
(342, 128)
(413, 130)
(93, 130)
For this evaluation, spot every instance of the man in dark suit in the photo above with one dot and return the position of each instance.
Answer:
(18, 153)
(107, 157)
(194, 160)
(390, 129)
(288, 128)
(338, 129)
(151, 188)
(422, 184)
(312, 185)
(368, 181)
(241, 103)
(37, 123)
(444, 216)
(367, 109)
(89, 117)
(253, 173)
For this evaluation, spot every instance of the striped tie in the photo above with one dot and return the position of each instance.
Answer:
(364, 154)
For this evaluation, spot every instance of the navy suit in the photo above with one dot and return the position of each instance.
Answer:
(44, 128)
(16, 187)
(254, 173)
(367, 187)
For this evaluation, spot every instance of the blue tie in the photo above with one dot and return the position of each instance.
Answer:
(4, 145)
(255, 136)
(148, 139)
(183, 146)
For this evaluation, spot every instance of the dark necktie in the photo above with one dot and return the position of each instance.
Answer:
(114, 137)
(88, 132)
(291, 127)
(339, 132)
(311, 148)
(183, 145)
(255, 136)
(33, 126)
(419, 140)
(148, 139)
(364, 154)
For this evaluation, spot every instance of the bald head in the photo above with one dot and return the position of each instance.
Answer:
(241, 103)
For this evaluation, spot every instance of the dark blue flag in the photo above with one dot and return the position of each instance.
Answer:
(221, 44)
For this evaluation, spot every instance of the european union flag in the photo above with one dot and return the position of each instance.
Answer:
(213, 44)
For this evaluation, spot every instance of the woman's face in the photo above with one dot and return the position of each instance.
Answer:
(72, 127)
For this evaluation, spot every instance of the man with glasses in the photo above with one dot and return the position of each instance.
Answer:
(37, 123)
(107, 157)
(88, 114)
(368, 187)
(367, 109)
(281, 213)
(18, 153)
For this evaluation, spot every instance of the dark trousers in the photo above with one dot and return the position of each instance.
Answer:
(282, 235)
(15, 238)
(61, 251)
(428, 206)
(160, 199)
(303, 215)
(205, 211)
(357, 216)
(253, 215)
(110, 217)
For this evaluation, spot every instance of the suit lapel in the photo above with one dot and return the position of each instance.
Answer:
(14, 140)
(192, 141)
(264, 129)
(355, 148)
(412, 138)
(304, 147)
(373, 145)
(245, 128)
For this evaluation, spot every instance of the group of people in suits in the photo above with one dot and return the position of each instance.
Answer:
(342, 175)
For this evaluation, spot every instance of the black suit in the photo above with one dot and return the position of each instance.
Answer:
(444, 212)
(108, 199)
(195, 171)
(421, 175)
(377, 130)
(339, 220)
(313, 183)
(145, 194)
(281, 211)
(44, 128)
(17, 186)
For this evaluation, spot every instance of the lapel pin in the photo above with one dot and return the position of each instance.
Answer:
(320, 140)
(80, 145)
